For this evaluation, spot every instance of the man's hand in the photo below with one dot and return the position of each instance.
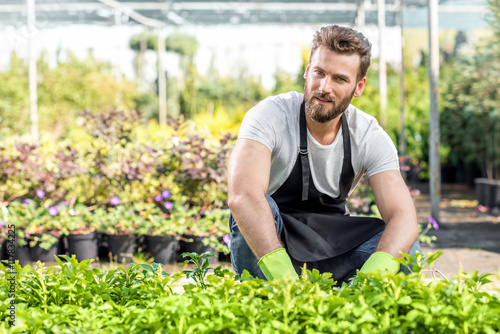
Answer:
(380, 261)
(276, 265)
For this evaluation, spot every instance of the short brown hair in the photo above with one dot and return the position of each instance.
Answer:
(344, 40)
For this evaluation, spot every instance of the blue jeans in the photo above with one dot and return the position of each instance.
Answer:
(342, 267)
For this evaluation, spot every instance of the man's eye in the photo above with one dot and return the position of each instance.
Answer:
(318, 72)
(341, 79)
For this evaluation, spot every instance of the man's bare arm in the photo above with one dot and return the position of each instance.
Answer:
(248, 180)
(396, 207)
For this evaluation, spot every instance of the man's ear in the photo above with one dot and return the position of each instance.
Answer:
(360, 86)
(305, 73)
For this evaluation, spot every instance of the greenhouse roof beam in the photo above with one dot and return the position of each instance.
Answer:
(227, 6)
(127, 10)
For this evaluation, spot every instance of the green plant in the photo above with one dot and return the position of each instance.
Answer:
(34, 224)
(76, 220)
(199, 272)
(471, 102)
(77, 297)
(423, 237)
(156, 222)
(120, 219)
(211, 225)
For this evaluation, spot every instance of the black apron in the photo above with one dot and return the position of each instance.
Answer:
(317, 226)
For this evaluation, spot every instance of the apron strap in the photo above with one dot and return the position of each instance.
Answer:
(347, 174)
(303, 152)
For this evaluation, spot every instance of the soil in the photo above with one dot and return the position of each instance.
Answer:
(468, 238)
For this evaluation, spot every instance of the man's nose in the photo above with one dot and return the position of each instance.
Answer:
(325, 86)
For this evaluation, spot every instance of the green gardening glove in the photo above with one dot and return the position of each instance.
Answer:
(276, 265)
(380, 261)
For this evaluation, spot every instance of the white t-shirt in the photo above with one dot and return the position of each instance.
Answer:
(274, 122)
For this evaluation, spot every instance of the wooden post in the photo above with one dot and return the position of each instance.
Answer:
(140, 62)
(118, 22)
(360, 18)
(162, 84)
(435, 166)
(402, 91)
(32, 71)
(382, 70)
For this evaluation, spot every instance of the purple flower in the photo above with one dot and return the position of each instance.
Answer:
(25, 201)
(433, 222)
(64, 203)
(53, 211)
(2, 223)
(168, 205)
(115, 200)
(166, 194)
(158, 198)
(226, 239)
(40, 193)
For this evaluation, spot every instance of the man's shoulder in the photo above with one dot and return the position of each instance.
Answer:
(360, 122)
(285, 102)
(358, 116)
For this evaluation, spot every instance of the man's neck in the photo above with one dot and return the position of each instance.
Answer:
(324, 133)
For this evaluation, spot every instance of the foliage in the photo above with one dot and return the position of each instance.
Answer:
(158, 221)
(109, 158)
(63, 91)
(416, 110)
(198, 166)
(164, 179)
(200, 271)
(178, 42)
(77, 297)
(472, 102)
(212, 225)
(34, 223)
(215, 93)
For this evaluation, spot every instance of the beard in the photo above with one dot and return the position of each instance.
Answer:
(321, 113)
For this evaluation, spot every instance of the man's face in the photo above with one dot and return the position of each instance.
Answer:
(331, 83)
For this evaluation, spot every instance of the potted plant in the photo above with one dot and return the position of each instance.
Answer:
(10, 218)
(205, 231)
(80, 231)
(37, 228)
(161, 231)
(119, 223)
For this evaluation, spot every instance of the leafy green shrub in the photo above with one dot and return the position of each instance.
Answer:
(141, 298)
(471, 111)
(63, 91)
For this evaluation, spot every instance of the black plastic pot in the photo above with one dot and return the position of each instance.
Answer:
(22, 254)
(163, 248)
(481, 191)
(224, 257)
(38, 253)
(122, 246)
(83, 246)
(12, 252)
(3, 251)
(488, 192)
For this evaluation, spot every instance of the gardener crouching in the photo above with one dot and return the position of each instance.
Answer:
(296, 160)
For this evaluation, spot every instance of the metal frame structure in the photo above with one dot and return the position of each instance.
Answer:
(452, 13)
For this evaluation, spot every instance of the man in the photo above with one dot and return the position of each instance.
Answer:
(296, 160)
